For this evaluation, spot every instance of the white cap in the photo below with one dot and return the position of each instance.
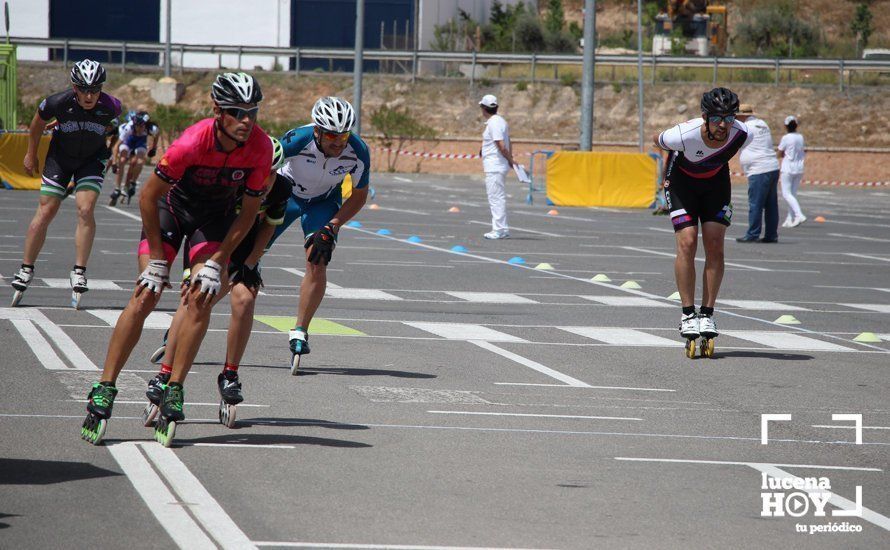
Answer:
(789, 119)
(489, 101)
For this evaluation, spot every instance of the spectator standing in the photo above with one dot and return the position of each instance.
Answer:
(791, 150)
(761, 167)
(497, 159)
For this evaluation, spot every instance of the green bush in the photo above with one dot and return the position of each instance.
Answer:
(775, 30)
(568, 79)
(398, 126)
(521, 86)
(530, 34)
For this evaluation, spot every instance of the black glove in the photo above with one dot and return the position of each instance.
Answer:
(152, 152)
(322, 243)
(247, 275)
(114, 168)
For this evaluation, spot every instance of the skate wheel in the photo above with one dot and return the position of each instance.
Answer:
(17, 297)
(93, 429)
(690, 348)
(75, 299)
(149, 414)
(226, 414)
(165, 431)
(707, 347)
(295, 364)
(158, 354)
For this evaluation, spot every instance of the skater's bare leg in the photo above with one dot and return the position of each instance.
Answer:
(122, 162)
(311, 293)
(47, 208)
(684, 264)
(713, 235)
(178, 318)
(85, 200)
(243, 302)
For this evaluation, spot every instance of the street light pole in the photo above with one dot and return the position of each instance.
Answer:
(640, 67)
(357, 68)
(167, 50)
(588, 69)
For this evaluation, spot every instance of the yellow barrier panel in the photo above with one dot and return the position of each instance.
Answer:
(12, 152)
(576, 178)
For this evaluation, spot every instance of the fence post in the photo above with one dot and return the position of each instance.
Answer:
(297, 62)
(240, 49)
(473, 72)
(414, 66)
(654, 69)
(534, 65)
(181, 57)
(124, 57)
(715, 71)
(65, 53)
(840, 76)
(777, 71)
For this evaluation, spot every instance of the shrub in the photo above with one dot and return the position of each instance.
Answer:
(775, 30)
(521, 86)
(398, 127)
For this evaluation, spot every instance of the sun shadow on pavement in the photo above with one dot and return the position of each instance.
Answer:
(762, 355)
(14, 471)
(347, 371)
(299, 422)
(6, 525)
(240, 438)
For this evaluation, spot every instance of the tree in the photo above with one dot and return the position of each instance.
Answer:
(398, 127)
(861, 26)
(775, 30)
(555, 19)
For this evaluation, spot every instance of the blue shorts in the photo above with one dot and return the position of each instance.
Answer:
(313, 213)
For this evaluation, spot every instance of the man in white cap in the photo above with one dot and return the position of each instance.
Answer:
(497, 159)
(761, 167)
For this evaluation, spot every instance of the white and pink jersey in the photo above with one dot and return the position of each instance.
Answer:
(695, 158)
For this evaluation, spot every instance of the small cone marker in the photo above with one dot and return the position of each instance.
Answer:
(374, 207)
(819, 219)
(601, 278)
(454, 210)
(630, 284)
(674, 296)
(354, 224)
(544, 267)
(516, 260)
(458, 248)
(787, 320)
(414, 239)
(867, 338)
(384, 232)
(553, 212)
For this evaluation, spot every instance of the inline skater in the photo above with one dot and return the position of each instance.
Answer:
(191, 195)
(132, 152)
(77, 151)
(317, 158)
(697, 190)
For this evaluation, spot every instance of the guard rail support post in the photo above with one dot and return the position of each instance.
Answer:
(715, 71)
(414, 66)
(65, 54)
(296, 61)
(840, 75)
(181, 57)
(473, 72)
(240, 50)
(124, 57)
(777, 72)
(534, 65)
(654, 69)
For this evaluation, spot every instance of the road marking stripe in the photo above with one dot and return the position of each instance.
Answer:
(169, 513)
(94, 284)
(672, 255)
(123, 213)
(626, 301)
(535, 415)
(464, 331)
(155, 319)
(205, 508)
(763, 305)
(38, 344)
(880, 308)
(867, 257)
(361, 293)
(514, 228)
(784, 340)
(376, 546)
(851, 427)
(299, 273)
(751, 464)
(574, 382)
(588, 387)
(622, 336)
(78, 358)
(491, 297)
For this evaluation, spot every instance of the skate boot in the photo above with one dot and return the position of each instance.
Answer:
(689, 330)
(158, 355)
(78, 286)
(171, 413)
(115, 195)
(20, 282)
(708, 330)
(230, 396)
(154, 393)
(299, 346)
(99, 405)
(131, 190)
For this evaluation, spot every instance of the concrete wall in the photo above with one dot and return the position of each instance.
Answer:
(228, 22)
(30, 18)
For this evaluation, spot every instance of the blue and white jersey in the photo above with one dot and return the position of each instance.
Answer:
(315, 175)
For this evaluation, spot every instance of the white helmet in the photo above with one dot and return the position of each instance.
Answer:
(333, 114)
(87, 73)
(235, 88)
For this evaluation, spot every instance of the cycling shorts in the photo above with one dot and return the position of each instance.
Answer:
(692, 200)
(138, 144)
(59, 169)
(313, 213)
(204, 230)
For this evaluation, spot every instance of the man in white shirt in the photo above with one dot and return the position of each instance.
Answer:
(761, 167)
(497, 159)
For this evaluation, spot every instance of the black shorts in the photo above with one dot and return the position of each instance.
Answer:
(239, 256)
(204, 230)
(59, 169)
(692, 201)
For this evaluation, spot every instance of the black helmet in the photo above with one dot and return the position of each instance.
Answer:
(87, 73)
(235, 88)
(720, 101)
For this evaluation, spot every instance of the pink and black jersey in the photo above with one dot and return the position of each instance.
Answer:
(208, 179)
(694, 157)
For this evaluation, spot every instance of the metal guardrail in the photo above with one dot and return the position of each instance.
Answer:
(473, 58)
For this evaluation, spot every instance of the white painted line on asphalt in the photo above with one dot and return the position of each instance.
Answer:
(622, 336)
(751, 464)
(880, 308)
(402, 210)
(123, 213)
(379, 546)
(491, 297)
(867, 257)
(38, 344)
(514, 228)
(205, 508)
(95, 284)
(535, 415)
(361, 294)
(464, 331)
(851, 427)
(155, 319)
(629, 388)
(854, 287)
(574, 382)
(299, 273)
(835, 499)
(859, 237)
(238, 445)
(672, 255)
(406, 180)
(166, 509)
(78, 359)
(763, 305)
(784, 340)
(188, 404)
(626, 301)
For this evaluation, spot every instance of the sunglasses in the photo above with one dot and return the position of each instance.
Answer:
(335, 137)
(238, 113)
(715, 119)
(88, 89)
